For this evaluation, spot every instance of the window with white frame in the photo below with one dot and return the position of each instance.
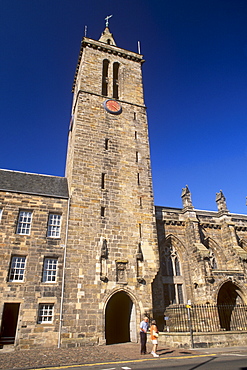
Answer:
(45, 313)
(54, 225)
(24, 223)
(17, 268)
(50, 270)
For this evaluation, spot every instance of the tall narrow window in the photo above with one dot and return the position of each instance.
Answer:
(137, 156)
(50, 270)
(140, 230)
(115, 80)
(102, 211)
(103, 181)
(172, 294)
(138, 178)
(106, 144)
(54, 226)
(17, 268)
(177, 266)
(140, 202)
(1, 211)
(135, 135)
(24, 223)
(105, 77)
(180, 294)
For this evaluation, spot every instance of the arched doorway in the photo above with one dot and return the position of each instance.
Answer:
(119, 319)
(228, 299)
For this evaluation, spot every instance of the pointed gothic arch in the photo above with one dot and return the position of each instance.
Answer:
(230, 296)
(217, 257)
(174, 240)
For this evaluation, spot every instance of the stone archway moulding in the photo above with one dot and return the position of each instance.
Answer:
(241, 289)
(179, 245)
(136, 310)
(117, 290)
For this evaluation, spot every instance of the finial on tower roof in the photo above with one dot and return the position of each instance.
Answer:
(107, 20)
(106, 35)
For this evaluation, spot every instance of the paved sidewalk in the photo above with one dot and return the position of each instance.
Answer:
(11, 358)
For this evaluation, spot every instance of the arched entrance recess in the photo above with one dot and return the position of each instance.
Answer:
(229, 297)
(120, 319)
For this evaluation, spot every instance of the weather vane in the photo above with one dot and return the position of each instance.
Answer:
(107, 20)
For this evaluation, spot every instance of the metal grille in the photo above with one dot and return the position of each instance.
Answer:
(206, 318)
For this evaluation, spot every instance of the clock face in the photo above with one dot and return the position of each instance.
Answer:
(112, 106)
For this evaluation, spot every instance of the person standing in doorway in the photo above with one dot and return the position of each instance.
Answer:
(154, 333)
(144, 325)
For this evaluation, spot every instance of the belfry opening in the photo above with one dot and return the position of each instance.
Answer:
(120, 322)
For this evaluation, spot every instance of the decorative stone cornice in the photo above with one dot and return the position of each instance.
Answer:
(111, 49)
(174, 222)
(241, 228)
(210, 225)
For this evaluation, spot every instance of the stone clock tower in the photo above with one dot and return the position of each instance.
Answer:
(111, 249)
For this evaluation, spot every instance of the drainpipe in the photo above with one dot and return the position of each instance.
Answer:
(63, 277)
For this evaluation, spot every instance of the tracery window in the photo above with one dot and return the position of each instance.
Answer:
(173, 282)
(170, 262)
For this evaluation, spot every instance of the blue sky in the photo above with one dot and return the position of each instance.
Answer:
(195, 84)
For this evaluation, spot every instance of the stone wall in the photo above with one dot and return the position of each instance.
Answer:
(211, 249)
(112, 243)
(31, 291)
(203, 340)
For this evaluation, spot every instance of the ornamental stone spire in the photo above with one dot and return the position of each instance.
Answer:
(186, 198)
(221, 202)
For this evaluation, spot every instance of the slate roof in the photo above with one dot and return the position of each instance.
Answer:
(31, 183)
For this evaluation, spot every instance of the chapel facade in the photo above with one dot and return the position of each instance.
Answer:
(82, 251)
